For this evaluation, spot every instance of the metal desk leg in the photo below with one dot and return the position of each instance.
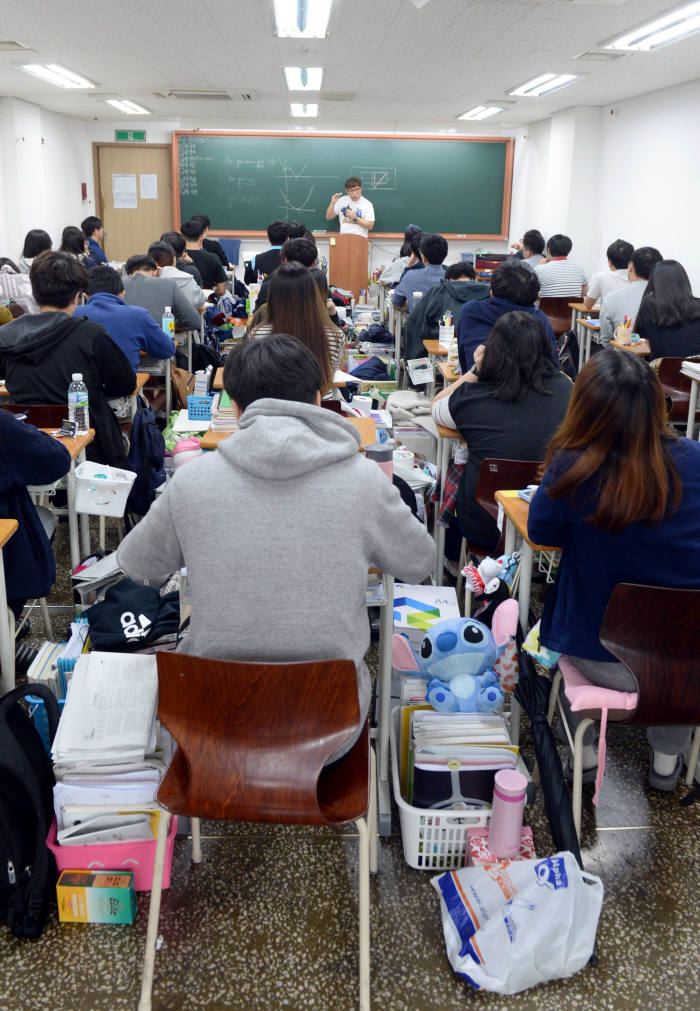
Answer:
(386, 628)
(439, 531)
(72, 518)
(7, 637)
(692, 407)
(581, 331)
(509, 546)
(168, 387)
(84, 544)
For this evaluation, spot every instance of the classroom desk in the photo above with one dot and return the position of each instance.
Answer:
(435, 349)
(449, 372)
(445, 436)
(585, 329)
(76, 448)
(578, 310)
(7, 638)
(219, 380)
(641, 349)
(692, 371)
(365, 426)
(516, 512)
(141, 380)
(4, 392)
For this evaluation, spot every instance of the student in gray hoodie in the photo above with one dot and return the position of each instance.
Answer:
(279, 526)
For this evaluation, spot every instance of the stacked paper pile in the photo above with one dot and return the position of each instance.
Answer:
(106, 783)
(223, 418)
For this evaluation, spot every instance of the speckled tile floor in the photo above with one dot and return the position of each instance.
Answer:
(269, 919)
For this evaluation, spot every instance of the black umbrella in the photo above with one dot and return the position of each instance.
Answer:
(532, 692)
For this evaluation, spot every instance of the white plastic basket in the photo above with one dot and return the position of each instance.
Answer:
(432, 840)
(102, 490)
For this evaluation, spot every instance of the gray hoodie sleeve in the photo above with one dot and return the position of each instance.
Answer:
(398, 543)
(152, 549)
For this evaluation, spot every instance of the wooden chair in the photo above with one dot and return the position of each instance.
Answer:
(557, 311)
(253, 740)
(676, 387)
(653, 630)
(495, 475)
(40, 415)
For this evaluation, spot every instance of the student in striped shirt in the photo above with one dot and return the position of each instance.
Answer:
(558, 275)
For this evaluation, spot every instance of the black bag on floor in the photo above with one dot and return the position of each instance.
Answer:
(27, 867)
(567, 346)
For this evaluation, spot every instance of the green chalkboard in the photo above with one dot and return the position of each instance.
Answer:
(244, 181)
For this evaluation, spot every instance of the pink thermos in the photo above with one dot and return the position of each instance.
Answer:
(505, 829)
(383, 455)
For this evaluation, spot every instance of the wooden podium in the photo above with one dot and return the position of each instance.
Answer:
(347, 262)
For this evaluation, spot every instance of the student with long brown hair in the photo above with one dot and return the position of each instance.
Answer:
(294, 306)
(620, 494)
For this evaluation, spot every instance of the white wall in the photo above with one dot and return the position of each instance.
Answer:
(650, 161)
(44, 158)
(624, 172)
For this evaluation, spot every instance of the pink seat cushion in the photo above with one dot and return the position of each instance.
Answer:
(582, 695)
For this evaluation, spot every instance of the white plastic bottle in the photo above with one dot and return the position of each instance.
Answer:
(168, 322)
(78, 407)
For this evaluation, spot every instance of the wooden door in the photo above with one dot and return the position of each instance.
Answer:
(138, 219)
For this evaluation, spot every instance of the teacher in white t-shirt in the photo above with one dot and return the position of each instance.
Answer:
(355, 212)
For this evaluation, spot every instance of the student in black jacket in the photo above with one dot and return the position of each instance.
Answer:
(265, 263)
(40, 353)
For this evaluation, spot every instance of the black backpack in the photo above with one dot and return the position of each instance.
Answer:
(567, 346)
(27, 867)
(147, 458)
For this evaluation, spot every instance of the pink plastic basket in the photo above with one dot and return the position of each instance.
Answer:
(128, 856)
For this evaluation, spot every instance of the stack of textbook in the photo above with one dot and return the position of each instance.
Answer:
(223, 418)
(106, 774)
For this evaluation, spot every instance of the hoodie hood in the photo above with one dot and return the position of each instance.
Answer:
(463, 291)
(31, 338)
(282, 439)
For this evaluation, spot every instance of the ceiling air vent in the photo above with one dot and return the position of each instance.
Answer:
(8, 46)
(337, 96)
(197, 95)
(607, 57)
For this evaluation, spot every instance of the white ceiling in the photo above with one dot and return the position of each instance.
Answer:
(395, 67)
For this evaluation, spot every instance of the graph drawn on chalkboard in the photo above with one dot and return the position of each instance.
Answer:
(297, 188)
(374, 178)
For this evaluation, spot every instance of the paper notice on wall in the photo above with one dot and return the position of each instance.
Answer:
(124, 191)
(149, 186)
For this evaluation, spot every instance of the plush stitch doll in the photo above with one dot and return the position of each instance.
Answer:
(457, 657)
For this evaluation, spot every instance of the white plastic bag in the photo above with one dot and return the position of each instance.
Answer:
(511, 925)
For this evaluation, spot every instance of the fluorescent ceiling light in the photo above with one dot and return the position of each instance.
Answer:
(453, 129)
(130, 108)
(303, 110)
(302, 19)
(660, 32)
(543, 84)
(57, 75)
(481, 112)
(304, 78)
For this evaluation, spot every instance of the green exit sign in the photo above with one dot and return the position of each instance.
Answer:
(130, 135)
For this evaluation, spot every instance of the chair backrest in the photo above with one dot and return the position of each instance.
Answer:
(40, 415)
(676, 388)
(232, 248)
(654, 631)
(557, 311)
(497, 475)
(253, 739)
(332, 405)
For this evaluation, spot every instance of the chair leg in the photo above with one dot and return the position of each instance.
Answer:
(372, 811)
(578, 773)
(553, 696)
(693, 761)
(364, 846)
(149, 956)
(45, 615)
(460, 578)
(196, 842)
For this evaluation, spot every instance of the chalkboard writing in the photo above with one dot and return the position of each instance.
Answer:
(244, 181)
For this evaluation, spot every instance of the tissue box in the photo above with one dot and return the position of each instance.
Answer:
(96, 897)
(478, 851)
(418, 608)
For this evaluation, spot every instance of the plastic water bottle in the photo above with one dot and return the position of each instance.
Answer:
(78, 408)
(168, 322)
